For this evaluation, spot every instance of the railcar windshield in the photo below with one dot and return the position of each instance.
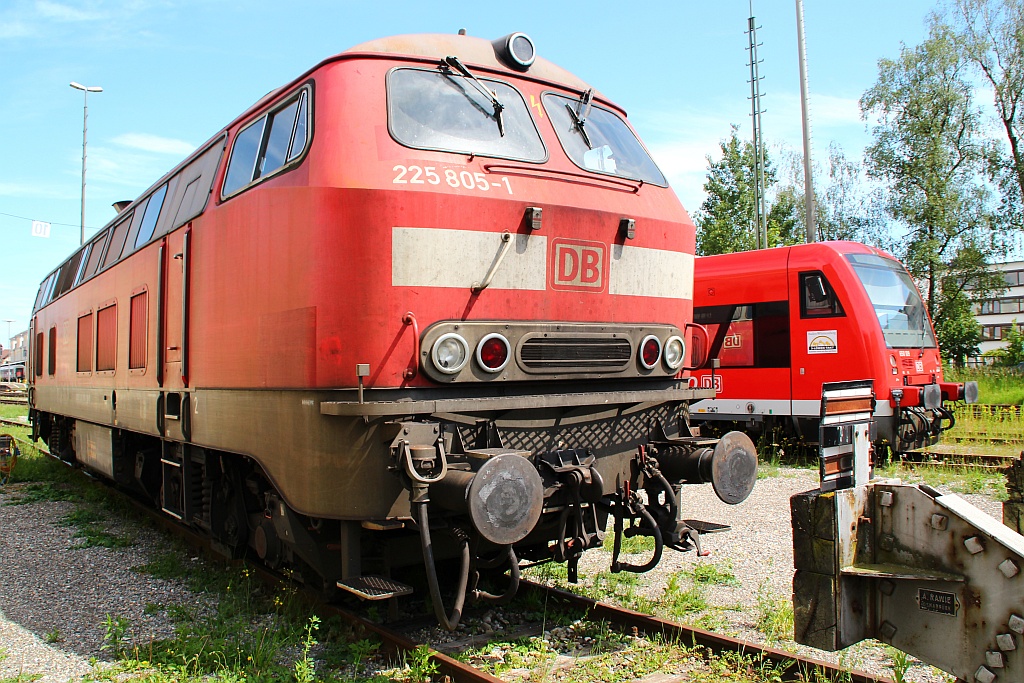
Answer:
(447, 112)
(598, 140)
(896, 301)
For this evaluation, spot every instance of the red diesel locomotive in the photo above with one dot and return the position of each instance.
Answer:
(784, 321)
(430, 299)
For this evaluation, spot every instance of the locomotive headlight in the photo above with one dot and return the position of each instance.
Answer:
(674, 350)
(650, 352)
(516, 50)
(450, 353)
(493, 352)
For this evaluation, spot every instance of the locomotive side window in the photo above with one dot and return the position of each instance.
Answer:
(82, 263)
(149, 218)
(747, 335)
(268, 144)
(51, 365)
(117, 236)
(447, 112)
(95, 252)
(106, 338)
(898, 306)
(37, 361)
(597, 140)
(817, 298)
(84, 363)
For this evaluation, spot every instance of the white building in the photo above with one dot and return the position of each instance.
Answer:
(997, 314)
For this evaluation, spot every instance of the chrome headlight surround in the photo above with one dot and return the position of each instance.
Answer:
(673, 352)
(443, 345)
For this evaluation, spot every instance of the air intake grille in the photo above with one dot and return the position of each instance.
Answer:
(575, 354)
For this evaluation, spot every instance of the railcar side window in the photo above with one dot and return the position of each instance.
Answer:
(747, 335)
(153, 206)
(817, 298)
(597, 140)
(268, 144)
(430, 109)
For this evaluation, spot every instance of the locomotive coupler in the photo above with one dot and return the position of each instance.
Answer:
(627, 504)
(580, 486)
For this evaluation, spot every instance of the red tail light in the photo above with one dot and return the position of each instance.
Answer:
(493, 353)
(650, 352)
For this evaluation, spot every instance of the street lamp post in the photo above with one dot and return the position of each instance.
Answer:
(85, 127)
(8, 321)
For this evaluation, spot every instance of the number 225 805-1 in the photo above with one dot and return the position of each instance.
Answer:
(430, 175)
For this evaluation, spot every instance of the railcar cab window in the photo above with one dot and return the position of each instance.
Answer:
(269, 144)
(896, 301)
(598, 140)
(817, 298)
(444, 111)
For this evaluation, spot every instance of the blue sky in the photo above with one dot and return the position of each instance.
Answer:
(175, 71)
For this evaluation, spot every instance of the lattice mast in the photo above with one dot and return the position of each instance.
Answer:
(760, 216)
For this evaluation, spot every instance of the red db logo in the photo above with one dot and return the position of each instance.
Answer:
(578, 265)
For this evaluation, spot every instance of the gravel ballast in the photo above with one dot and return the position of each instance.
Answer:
(53, 590)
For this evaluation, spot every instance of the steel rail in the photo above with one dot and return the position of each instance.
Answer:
(795, 667)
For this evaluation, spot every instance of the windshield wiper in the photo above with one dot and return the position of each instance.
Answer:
(579, 115)
(454, 63)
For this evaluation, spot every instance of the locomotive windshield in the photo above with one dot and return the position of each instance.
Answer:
(598, 140)
(896, 301)
(447, 112)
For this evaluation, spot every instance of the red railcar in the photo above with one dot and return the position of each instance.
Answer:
(434, 276)
(784, 321)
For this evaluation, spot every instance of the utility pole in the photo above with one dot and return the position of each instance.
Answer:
(811, 232)
(760, 217)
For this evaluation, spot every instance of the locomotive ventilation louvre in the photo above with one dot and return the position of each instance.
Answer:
(561, 353)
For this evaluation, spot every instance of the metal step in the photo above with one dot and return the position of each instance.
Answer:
(374, 587)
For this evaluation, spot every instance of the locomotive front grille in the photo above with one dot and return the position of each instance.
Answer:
(561, 354)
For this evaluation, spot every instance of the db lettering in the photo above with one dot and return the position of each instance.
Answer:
(579, 266)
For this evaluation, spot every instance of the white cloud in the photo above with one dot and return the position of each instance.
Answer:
(154, 143)
(14, 29)
(61, 12)
(31, 190)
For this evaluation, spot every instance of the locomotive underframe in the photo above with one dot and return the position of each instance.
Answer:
(222, 462)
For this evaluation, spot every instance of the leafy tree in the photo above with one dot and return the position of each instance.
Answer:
(842, 208)
(958, 331)
(929, 152)
(991, 34)
(1012, 354)
(726, 219)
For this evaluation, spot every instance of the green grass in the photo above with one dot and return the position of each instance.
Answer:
(995, 385)
(89, 527)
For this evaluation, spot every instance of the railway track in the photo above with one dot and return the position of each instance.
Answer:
(793, 667)
(966, 461)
